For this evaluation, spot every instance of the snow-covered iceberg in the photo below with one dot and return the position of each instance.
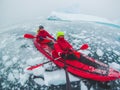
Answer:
(66, 16)
(117, 21)
(75, 17)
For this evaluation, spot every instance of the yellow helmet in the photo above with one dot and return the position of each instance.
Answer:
(60, 33)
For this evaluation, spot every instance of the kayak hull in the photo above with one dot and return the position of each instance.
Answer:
(84, 67)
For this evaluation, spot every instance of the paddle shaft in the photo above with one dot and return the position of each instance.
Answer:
(36, 66)
(68, 85)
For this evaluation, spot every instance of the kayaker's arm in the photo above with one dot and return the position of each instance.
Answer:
(49, 35)
(58, 49)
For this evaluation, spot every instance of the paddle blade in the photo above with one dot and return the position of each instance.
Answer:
(33, 67)
(30, 36)
(84, 47)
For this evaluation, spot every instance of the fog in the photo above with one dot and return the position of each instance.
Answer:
(16, 11)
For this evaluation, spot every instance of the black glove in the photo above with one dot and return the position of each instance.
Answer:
(63, 55)
(54, 39)
(41, 38)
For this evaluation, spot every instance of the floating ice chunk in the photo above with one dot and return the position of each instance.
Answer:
(76, 41)
(34, 61)
(11, 77)
(5, 57)
(83, 86)
(38, 71)
(88, 39)
(116, 52)
(23, 78)
(30, 61)
(39, 81)
(14, 59)
(115, 65)
(99, 52)
(118, 59)
(8, 64)
(57, 77)
(109, 49)
(16, 74)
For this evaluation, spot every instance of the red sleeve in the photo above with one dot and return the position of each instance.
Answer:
(47, 34)
(68, 44)
(57, 48)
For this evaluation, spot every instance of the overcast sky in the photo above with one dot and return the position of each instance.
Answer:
(19, 10)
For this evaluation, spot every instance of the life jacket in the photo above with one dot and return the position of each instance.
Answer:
(64, 45)
(43, 33)
(42, 36)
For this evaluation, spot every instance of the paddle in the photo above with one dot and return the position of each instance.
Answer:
(36, 66)
(83, 47)
(30, 36)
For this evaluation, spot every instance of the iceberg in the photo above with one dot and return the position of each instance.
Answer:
(67, 16)
(75, 17)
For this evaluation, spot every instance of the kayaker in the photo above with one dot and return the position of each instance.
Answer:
(64, 49)
(43, 36)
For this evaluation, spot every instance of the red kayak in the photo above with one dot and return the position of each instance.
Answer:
(84, 67)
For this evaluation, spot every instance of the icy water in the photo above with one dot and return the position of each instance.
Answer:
(17, 53)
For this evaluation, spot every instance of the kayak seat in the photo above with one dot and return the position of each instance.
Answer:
(86, 61)
(51, 45)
